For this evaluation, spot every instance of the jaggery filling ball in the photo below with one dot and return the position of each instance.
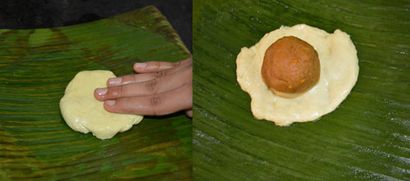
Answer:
(290, 66)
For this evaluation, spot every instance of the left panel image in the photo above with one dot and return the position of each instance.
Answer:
(96, 89)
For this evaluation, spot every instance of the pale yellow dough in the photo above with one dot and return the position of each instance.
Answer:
(338, 75)
(83, 113)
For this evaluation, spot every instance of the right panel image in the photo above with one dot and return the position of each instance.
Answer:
(301, 90)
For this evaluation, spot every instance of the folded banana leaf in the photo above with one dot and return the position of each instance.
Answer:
(366, 138)
(35, 67)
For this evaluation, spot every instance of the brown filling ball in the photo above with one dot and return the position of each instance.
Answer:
(290, 66)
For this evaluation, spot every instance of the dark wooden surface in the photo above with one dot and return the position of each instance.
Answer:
(52, 13)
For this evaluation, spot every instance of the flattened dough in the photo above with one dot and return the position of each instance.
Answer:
(339, 68)
(83, 113)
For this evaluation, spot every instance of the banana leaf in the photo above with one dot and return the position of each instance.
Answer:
(366, 138)
(35, 67)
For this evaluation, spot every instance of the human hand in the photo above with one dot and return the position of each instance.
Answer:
(158, 88)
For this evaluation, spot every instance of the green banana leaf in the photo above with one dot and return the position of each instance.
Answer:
(35, 67)
(366, 138)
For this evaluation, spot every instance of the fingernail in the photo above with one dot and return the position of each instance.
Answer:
(114, 81)
(110, 102)
(101, 91)
(140, 65)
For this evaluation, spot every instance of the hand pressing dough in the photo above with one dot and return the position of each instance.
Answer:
(84, 113)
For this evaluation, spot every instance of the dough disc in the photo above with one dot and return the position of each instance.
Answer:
(83, 113)
(339, 70)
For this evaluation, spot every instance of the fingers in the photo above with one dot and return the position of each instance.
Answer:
(134, 78)
(155, 66)
(149, 87)
(154, 105)
(189, 113)
(160, 88)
